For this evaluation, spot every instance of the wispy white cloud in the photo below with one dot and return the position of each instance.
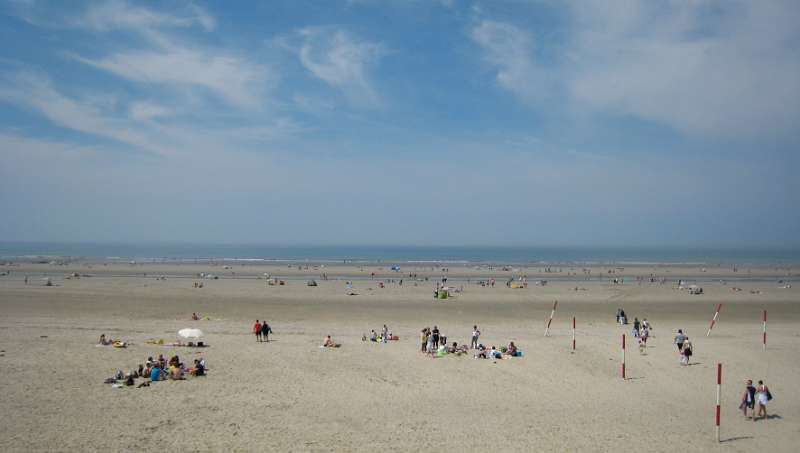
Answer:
(116, 14)
(162, 56)
(341, 60)
(233, 79)
(145, 110)
(111, 15)
(710, 68)
(509, 49)
(35, 91)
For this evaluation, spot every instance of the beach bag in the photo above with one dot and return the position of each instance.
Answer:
(769, 395)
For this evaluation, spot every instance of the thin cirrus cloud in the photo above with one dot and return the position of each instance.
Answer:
(232, 79)
(145, 110)
(341, 60)
(509, 49)
(110, 15)
(115, 14)
(177, 62)
(682, 65)
(35, 92)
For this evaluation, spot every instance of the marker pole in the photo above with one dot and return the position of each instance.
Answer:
(552, 313)
(764, 334)
(623, 356)
(714, 320)
(719, 385)
(573, 333)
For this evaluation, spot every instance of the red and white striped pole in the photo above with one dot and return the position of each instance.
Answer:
(719, 386)
(764, 334)
(623, 356)
(573, 333)
(552, 313)
(714, 320)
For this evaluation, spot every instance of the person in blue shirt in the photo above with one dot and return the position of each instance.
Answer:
(154, 373)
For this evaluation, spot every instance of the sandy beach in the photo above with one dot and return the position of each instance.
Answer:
(291, 395)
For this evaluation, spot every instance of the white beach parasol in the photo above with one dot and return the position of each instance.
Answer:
(190, 333)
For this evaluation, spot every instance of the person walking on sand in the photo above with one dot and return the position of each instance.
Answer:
(257, 330)
(265, 330)
(762, 396)
(686, 352)
(679, 339)
(749, 399)
(475, 335)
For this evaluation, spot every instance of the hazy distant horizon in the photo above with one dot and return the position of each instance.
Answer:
(406, 253)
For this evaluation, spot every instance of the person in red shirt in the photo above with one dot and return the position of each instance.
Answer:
(257, 330)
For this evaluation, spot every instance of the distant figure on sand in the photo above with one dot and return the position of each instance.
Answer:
(679, 339)
(762, 396)
(748, 399)
(257, 330)
(686, 351)
(328, 343)
(385, 334)
(265, 331)
(475, 335)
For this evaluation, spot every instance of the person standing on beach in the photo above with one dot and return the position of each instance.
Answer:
(423, 336)
(435, 335)
(475, 335)
(762, 396)
(686, 352)
(679, 339)
(385, 334)
(257, 330)
(265, 330)
(749, 399)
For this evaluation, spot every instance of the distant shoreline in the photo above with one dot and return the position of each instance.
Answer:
(45, 252)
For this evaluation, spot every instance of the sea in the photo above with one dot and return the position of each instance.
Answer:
(185, 252)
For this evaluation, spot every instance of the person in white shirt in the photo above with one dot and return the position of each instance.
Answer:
(475, 334)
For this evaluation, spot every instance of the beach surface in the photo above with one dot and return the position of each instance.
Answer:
(291, 395)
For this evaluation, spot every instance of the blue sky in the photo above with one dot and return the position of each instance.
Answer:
(401, 122)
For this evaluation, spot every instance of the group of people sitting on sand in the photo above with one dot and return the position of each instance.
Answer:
(510, 351)
(432, 342)
(384, 337)
(160, 369)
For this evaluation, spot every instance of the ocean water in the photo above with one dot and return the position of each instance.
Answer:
(401, 254)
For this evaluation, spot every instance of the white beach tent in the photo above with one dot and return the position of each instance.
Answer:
(190, 333)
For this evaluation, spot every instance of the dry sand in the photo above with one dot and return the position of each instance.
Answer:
(290, 395)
